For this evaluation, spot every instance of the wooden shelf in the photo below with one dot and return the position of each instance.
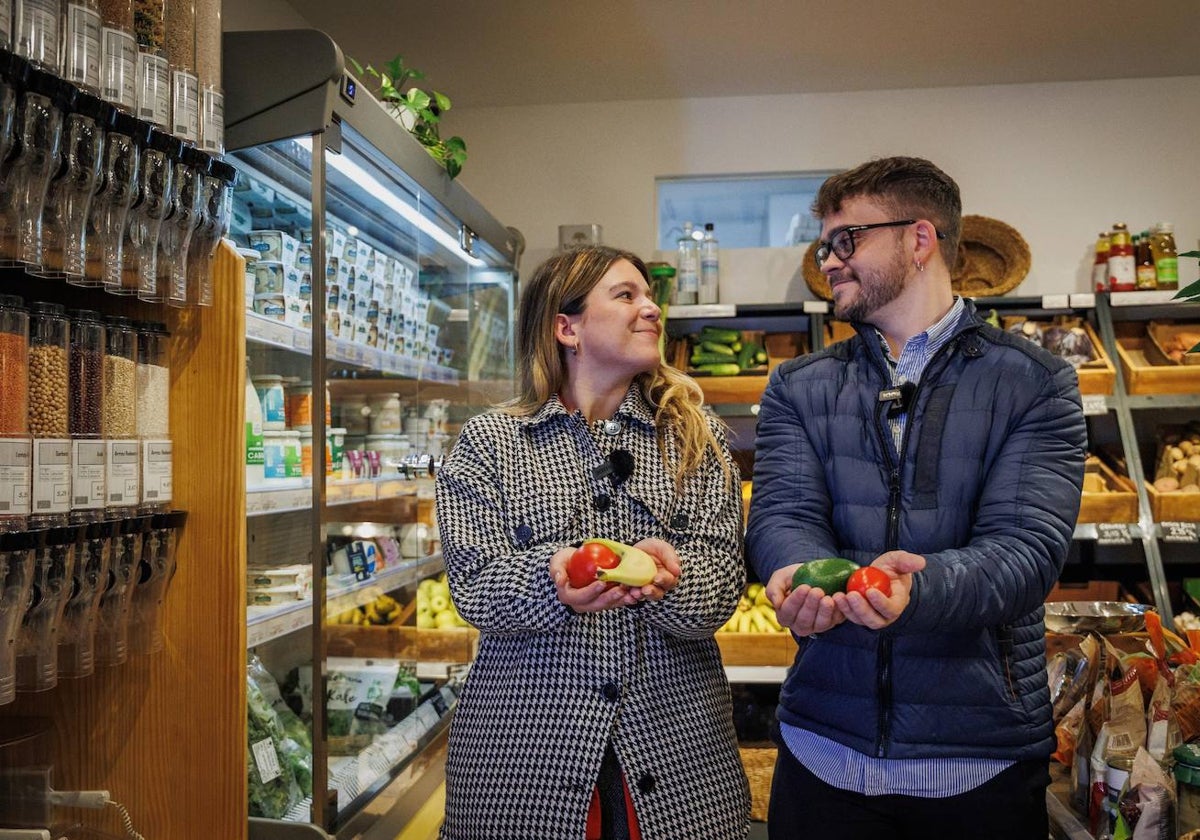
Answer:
(746, 388)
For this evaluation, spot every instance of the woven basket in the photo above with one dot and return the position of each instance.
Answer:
(758, 758)
(993, 258)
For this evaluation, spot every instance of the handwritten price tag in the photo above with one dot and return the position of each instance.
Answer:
(1113, 533)
(1179, 532)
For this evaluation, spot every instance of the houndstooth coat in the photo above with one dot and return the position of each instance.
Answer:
(549, 687)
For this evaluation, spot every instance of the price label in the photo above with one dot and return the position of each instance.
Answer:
(1094, 404)
(1113, 533)
(1180, 532)
(1056, 301)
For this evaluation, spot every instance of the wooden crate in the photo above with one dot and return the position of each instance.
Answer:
(1092, 590)
(396, 641)
(1118, 504)
(1143, 376)
(1098, 376)
(1164, 335)
(757, 648)
(1173, 507)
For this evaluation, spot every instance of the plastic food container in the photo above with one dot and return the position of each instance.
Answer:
(37, 644)
(271, 306)
(270, 394)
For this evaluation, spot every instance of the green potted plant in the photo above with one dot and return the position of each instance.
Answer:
(417, 110)
(1191, 292)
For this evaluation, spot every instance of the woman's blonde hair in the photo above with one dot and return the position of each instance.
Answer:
(560, 285)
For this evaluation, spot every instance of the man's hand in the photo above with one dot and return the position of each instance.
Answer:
(877, 610)
(802, 610)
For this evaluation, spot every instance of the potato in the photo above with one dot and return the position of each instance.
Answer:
(1166, 485)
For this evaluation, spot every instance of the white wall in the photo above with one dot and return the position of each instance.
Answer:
(240, 15)
(1059, 162)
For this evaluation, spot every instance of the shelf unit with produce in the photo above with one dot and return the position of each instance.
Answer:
(370, 273)
(1126, 531)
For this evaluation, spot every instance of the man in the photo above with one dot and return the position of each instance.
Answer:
(949, 455)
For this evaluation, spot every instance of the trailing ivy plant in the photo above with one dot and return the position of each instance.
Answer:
(1191, 292)
(420, 111)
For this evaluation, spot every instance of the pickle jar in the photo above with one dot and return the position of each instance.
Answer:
(119, 183)
(77, 633)
(85, 416)
(16, 579)
(49, 340)
(37, 646)
(69, 197)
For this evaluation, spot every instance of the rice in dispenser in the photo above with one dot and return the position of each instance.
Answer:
(37, 643)
(16, 578)
(77, 633)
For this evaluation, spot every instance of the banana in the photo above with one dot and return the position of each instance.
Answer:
(759, 621)
(744, 604)
(744, 622)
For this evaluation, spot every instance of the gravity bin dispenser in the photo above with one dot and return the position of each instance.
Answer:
(373, 273)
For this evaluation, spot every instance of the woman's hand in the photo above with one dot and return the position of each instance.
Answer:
(600, 595)
(877, 610)
(667, 574)
(803, 610)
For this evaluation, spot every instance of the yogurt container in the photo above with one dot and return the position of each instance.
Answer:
(269, 276)
(271, 306)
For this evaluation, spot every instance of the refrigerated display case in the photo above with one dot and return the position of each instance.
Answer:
(379, 298)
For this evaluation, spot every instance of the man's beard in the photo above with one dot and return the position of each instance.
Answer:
(876, 289)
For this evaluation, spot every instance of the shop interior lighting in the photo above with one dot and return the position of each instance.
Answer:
(384, 196)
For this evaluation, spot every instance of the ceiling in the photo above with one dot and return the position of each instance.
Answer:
(531, 52)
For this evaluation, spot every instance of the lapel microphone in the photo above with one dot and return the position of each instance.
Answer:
(900, 398)
(618, 466)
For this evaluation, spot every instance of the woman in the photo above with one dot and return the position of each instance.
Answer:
(606, 698)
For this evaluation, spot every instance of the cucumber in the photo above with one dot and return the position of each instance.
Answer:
(760, 356)
(709, 359)
(714, 347)
(726, 369)
(745, 356)
(720, 335)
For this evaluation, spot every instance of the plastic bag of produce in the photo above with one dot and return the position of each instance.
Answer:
(272, 786)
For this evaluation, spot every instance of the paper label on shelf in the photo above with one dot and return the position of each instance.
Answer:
(1113, 533)
(1095, 404)
(1056, 301)
(87, 474)
(1083, 300)
(1179, 532)
(121, 473)
(156, 471)
(815, 306)
(15, 468)
(266, 760)
(51, 476)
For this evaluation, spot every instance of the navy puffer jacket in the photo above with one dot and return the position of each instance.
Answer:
(986, 488)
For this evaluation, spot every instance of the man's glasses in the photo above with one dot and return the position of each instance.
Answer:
(841, 244)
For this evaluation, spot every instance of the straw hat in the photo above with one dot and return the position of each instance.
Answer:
(992, 259)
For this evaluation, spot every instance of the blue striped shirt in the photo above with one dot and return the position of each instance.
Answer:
(841, 767)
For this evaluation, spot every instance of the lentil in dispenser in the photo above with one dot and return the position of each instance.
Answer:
(14, 414)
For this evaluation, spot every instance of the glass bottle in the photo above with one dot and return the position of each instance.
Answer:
(154, 70)
(1166, 260)
(69, 197)
(81, 59)
(177, 229)
(1122, 273)
(1144, 273)
(181, 55)
(710, 266)
(217, 198)
(85, 416)
(119, 181)
(154, 415)
(120, 54)
(208, 72)
(120, 418)
(49, 393)
(14, 413)
(1100, 263)
(139, 274)
(36, 32)
(687, 279)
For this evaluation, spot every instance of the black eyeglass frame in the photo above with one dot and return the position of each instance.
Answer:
(825, 247)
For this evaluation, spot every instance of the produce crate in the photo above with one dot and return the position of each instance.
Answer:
(1144, 376)
(758, 759)
(1117, 504)
(455, 644)
(1173, 507)
(757, 648)
(1098, 376)
(1167, 338)
(1092, 590)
